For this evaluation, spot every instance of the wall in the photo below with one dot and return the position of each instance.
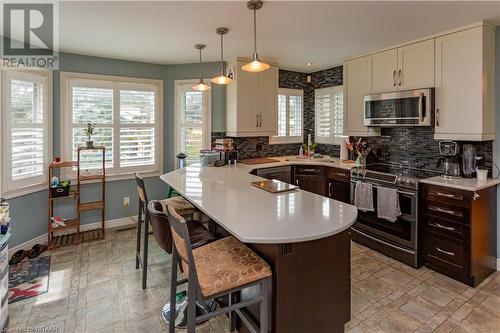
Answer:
(29, 212)
(496, 143)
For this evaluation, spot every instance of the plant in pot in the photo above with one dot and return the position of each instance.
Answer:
(89, 131)
(361, 148)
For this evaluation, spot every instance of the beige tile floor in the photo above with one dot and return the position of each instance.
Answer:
(94, 287)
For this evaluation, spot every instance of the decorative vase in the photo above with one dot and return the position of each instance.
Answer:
(360, 161)
(89, 144)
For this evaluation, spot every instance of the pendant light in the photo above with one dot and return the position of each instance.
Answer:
(201, 86)
(222, 78)
(255, 65)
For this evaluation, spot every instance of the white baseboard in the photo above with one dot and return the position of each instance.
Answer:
(42, 239)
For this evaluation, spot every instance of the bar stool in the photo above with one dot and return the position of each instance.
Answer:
(218, 269)
(198, 236)
(184, 208)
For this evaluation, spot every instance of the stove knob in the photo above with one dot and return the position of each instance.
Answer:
(411, 182)
(401, 181)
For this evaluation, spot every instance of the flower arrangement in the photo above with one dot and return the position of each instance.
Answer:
(361, 148)
(89, 131)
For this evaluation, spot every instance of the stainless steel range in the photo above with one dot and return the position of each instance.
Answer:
(397, 239)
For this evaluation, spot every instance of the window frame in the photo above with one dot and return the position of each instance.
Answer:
(179, 86)
(275, 139)
(333, 139)
(117, 83)
(30, 184)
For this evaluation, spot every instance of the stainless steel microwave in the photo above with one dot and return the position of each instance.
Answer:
(401, 108)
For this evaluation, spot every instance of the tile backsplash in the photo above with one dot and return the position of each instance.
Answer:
(412, 146)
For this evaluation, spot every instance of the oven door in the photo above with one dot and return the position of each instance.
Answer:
(403, 108)
(403, 231)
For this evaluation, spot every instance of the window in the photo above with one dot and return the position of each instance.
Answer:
(290, 117)
(329, 115)
(192, 120)
(127, 116)
(26, 131)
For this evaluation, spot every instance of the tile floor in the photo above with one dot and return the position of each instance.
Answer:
(94, 287)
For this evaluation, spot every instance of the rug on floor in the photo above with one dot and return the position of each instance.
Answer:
(29, 278)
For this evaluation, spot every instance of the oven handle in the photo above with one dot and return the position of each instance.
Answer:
(382, 242)
(399, 191)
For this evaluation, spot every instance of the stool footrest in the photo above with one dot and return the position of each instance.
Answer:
(229, 308)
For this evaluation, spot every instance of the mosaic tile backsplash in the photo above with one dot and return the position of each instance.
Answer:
(412, 146)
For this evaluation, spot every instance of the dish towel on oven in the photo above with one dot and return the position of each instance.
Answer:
(388, 204)
(363, 196)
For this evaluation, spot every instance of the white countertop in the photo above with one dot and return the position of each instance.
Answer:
(467, 184)
(255, 216)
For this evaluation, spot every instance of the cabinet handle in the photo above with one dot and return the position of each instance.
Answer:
(421, 106)
(446, 195)
(310, 170)
(260, 120)
(276, 174)
(297, 182)
(399, 77)
(330, 189)
(443, 227)
(257, 120)
(394, 77)
(341, 174)
(445, 252)
(443, 210)
(437, 118)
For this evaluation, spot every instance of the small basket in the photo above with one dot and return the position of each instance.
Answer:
(60, 191)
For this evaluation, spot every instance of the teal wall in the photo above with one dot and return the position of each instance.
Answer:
(29, 212)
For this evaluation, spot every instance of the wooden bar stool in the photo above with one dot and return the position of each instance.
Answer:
(183, 206)
(221, 268)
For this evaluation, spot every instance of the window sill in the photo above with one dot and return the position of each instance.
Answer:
(281, 140)
(24, 191)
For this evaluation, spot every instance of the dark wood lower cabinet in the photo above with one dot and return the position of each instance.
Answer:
(326, 181)
(458, 232)
(311, 284)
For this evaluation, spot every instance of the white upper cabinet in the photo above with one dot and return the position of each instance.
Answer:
(251, 102)
(404, 68)
(416, 66)
(384, 71)
(465, 85)
(357, 83)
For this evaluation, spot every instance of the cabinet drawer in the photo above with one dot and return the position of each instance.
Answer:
(309, 170)
(449, 196)
(447, 227)
(448, 212)
(445, 252)
(338, 174)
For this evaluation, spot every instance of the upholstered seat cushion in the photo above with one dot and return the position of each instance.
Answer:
(181, 205)
(226, 264)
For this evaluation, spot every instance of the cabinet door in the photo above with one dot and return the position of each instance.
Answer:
(339, 190)
(247, 90)
(384, 71)
(267, 100)
(312, 184)
(356, 84)
(459, 84)
(416, 65)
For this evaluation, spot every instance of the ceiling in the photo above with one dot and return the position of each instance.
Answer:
(290, 33)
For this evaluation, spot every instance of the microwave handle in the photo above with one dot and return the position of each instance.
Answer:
(421, 106)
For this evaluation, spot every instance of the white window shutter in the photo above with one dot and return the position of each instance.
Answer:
(329, 114)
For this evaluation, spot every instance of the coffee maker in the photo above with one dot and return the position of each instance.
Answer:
(449, 160)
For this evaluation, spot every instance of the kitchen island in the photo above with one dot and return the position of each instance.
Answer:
(303, 236)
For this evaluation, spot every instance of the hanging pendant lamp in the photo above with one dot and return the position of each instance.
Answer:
(255, 65)
(222, 78)
(201, 86)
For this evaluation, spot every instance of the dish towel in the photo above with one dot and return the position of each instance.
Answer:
(388, 204)
(363, 196)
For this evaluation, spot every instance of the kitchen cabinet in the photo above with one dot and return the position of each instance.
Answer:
(458, 232)
(384, 71)
(338, 184)
(357, 83)
(283, 174)
(311, 179)
(465, 85)
(403, 68)
(251, 102)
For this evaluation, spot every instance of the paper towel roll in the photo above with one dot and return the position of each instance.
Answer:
(344, 154)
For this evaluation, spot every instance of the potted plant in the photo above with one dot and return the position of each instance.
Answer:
(362, 149)
(89, 131)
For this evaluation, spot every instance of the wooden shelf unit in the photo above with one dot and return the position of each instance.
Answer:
(70, 233)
